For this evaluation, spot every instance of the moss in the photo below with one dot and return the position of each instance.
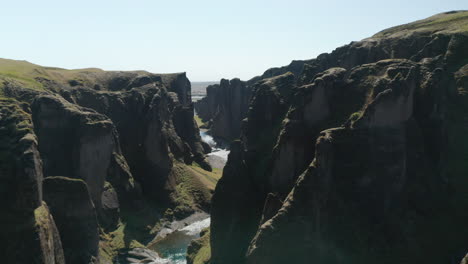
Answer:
(136, 229)
(355, 116)
(111, 243)
(198, 121)
(193, 189)
(199, 251)
(15, 124)
(41, 216)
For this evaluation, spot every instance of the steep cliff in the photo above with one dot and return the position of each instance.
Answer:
(358, 158)
(224, 107)
(119, 151)
(29, 233)
(71, 204)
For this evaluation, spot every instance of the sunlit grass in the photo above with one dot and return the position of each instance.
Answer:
(456, 22)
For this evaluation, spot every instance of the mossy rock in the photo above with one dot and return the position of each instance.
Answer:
(199, 250)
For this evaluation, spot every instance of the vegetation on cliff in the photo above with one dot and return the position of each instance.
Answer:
(199, 251)
(126, 140)
(369, 161)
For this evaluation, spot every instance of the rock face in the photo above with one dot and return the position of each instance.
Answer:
(70, 203)
(356, 159)
(224, 107)
(155, 125)
(77, 143)
(29, 231)
(109, 145)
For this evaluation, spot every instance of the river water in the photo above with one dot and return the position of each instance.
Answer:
(219, 153)
(173, 240)
(172, 246)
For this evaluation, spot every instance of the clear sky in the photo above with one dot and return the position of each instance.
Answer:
(207, 39)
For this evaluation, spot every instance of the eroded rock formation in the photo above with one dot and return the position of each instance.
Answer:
(357, 159)
(71, 204)
(224, 107)
(29, 233)
(110, 146)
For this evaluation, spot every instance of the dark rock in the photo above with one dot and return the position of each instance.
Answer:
(74, 83)
(376, 183)
(229, 245)
(240, 193)
(110, 211)
(75, 215)
(78, 143)
(80, 135)
(29, 231)
(155, 130)
(225, 105)
(272, 204)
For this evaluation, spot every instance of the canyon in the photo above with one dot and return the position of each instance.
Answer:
(356, 156)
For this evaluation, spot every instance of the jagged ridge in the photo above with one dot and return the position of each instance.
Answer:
(375, 188)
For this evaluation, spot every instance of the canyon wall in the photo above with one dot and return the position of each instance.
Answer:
(356, 158)
(92, 161)
(224, 108)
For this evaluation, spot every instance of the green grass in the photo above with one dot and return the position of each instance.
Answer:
(26, 75)
(456, 22)
(15, 124)
(21, 73)
(208, 178)
(203, 254)
(138, 228)
(193, 189)
(129, 234)
(198, 120)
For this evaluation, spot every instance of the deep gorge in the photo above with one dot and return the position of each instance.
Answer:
(356, 156)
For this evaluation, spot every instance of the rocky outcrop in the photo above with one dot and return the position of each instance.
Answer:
(199, 252)
(415, 43)
(29, 231)
(47, 234)
(79, 143)
(239, 193)
(70, 203)
(367, 192)
(357, 161)
(115, 149)
(155, 125)
(224, 107)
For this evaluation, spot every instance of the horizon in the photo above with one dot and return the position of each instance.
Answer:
(207, 40)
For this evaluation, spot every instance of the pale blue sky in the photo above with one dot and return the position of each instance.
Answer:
(207, 39)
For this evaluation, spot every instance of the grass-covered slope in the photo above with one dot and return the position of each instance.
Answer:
(449, 22)
(199, 251)
(24, 74)
(29, 75)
